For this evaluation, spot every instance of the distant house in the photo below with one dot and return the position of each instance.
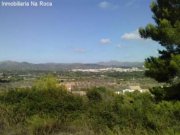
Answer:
(118, 92)
(137, 88)
(80, 93)
(69, 86)
(132, 89)
(128, 90)
(1, 75)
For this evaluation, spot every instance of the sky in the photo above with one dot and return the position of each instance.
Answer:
(83, 31)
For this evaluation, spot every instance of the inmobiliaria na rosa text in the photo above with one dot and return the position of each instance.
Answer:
(26, 3)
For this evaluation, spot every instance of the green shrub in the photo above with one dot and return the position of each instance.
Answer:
(53, 110)
(167, 92)
(94, 95)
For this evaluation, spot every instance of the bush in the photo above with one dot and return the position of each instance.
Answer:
(167, 92)
(94, 96)
(55, 111)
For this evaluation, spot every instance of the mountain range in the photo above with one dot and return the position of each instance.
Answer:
(13, 65)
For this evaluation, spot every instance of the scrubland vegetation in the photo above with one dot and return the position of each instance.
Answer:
(48, 109)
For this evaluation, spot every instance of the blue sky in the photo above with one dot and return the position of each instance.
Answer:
(71, 31)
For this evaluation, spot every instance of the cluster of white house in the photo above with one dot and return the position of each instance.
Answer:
(109, 69)
(130, 89)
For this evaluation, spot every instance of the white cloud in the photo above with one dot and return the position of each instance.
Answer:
(107, 5)
(132, 36)
(105, 41)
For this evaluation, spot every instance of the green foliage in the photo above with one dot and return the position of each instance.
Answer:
(167, 92)
(167, 18)
(159, 93)
(46, 83)
(94, 95)
(166, 31)
(163, 70)
(53, 111)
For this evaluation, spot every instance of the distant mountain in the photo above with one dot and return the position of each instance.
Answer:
(12, 65)
(121, 64)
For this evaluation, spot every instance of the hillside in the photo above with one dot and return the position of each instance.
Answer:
(12, 65)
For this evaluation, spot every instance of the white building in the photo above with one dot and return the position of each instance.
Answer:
(131, 89)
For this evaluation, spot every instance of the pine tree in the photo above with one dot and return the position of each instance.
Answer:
(166, 31)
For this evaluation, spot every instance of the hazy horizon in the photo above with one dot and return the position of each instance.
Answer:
(51, 62)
